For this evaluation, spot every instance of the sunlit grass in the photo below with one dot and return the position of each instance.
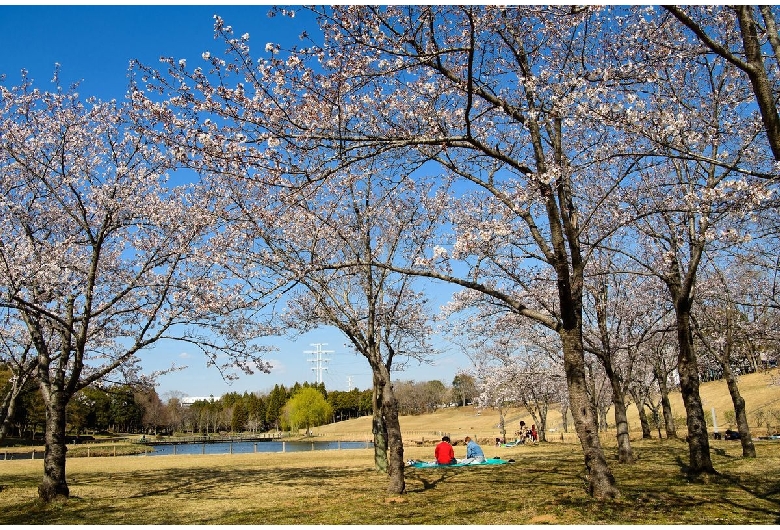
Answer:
(544, 485)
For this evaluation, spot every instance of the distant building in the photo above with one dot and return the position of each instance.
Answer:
(187, 401)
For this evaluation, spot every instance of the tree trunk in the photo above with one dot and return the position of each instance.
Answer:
(378, 427)
(748, 448)
(380, 441)
(565, 418)
(542, 430)
(756, 72)
(23, 373)
(7, 410)
(752, 63)
(640, 401)
(601, 482)
(687, 367)
(395, 444)
(54, 486)
(603, 423)
(643, 421)
(666, 405)
(625, 453)
(501, 424)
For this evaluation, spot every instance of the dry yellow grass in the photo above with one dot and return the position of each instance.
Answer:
(757, 389)
(544, 486)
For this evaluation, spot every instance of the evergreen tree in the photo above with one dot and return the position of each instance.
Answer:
(240, 416)
(276, 401)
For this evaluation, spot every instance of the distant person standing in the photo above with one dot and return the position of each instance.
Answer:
(474, 452)
(445, 454)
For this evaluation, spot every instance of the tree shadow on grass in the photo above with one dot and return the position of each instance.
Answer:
(768, 490)
(211, 483)
(535, 486)
(429, 482)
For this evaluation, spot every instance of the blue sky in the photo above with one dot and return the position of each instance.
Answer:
(94, 46)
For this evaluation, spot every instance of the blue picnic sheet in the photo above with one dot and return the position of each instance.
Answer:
(489, 461)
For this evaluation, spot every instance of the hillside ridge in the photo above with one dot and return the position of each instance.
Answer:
(760, 390)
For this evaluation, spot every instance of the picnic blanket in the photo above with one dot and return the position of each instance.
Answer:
(488, 462)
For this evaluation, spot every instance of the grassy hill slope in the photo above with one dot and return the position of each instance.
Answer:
(760, 390)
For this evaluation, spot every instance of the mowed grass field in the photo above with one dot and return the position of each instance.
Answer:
(545, 484)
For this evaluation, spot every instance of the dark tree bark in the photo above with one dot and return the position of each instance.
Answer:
(639, 395)
(600, 481)
(723, 358)
(756, 72)
(395, 445)
(666, 405)
(625, 453)
(604, 355)
(688, 368)
(656, 416)
(643, 421)
(21, 375)
(54, 485)
(748, 447)
(378, 427)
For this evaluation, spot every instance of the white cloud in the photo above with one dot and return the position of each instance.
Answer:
(278, 367)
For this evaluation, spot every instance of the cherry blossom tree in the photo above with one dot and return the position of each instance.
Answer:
(101, 255)
(549, 127)
(620, 314)
(489, 96)
(732, 318)
(384, 317)
(639, 392)
(314, 242)
(663, 353)
(510, 368)
(511, 220)
(599, 391)
(18, 357)
(753, 48)
(700, 195)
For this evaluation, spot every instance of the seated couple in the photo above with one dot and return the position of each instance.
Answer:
(445, 454)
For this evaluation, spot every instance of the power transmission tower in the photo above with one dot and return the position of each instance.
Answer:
(318, 360)
(349, 382)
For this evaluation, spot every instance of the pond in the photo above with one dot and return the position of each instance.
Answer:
(250, 447)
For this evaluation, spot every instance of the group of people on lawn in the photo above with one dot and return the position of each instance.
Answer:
(445, 454)
(527, 434)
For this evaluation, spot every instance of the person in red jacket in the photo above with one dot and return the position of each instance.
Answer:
(444, 452)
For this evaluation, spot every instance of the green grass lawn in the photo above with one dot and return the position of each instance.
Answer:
(544, 485)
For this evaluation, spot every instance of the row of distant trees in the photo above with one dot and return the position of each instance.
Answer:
(139, 409)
